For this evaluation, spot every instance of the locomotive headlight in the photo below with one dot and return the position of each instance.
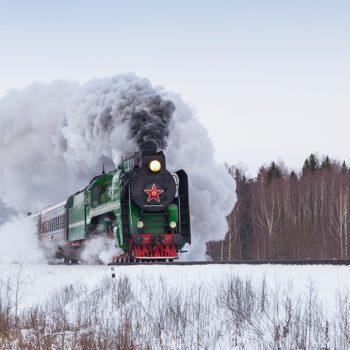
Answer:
(139, 224)
(155, 166)
(172, 224)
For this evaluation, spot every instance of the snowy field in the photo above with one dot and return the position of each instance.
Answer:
(174, 307)
(41, 280)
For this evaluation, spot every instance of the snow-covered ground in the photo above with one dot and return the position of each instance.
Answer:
(176, 307)
(39, 281)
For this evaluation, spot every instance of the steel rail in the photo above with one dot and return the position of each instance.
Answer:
(240, 262)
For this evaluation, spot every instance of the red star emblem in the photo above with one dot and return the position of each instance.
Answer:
(153, 193)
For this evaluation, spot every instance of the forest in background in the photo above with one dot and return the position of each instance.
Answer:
(289, 215)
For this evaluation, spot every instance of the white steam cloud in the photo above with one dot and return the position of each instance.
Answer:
(17, 242)
(55, 137)
(100, 249)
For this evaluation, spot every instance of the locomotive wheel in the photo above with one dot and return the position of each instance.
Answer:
(68, 261)
(122, 259)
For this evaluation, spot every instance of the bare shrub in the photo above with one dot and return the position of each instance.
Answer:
(118, 314)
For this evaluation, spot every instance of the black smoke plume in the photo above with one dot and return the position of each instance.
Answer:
(151, 125)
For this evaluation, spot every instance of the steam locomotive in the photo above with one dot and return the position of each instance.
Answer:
(141, 206)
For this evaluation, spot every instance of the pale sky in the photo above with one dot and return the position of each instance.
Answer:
(269, 79)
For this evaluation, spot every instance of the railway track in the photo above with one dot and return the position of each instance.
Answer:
(243, 262)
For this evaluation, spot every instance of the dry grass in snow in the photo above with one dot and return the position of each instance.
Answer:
(233, 313)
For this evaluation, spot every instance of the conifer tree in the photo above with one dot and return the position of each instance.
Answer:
(273, 172)
(311, 164)
(293, 175)
(313, 161)
(326, 163)
(261, 174)
(306, 167)
(344, 168)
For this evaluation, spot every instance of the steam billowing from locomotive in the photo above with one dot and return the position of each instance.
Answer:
(151, 125)
(55, 137)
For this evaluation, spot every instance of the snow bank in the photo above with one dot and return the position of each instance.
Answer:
(43, 280)
(177, 307)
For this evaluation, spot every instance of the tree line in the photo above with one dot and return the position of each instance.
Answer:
(289, 215)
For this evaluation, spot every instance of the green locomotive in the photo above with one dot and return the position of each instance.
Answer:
(141, 206)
